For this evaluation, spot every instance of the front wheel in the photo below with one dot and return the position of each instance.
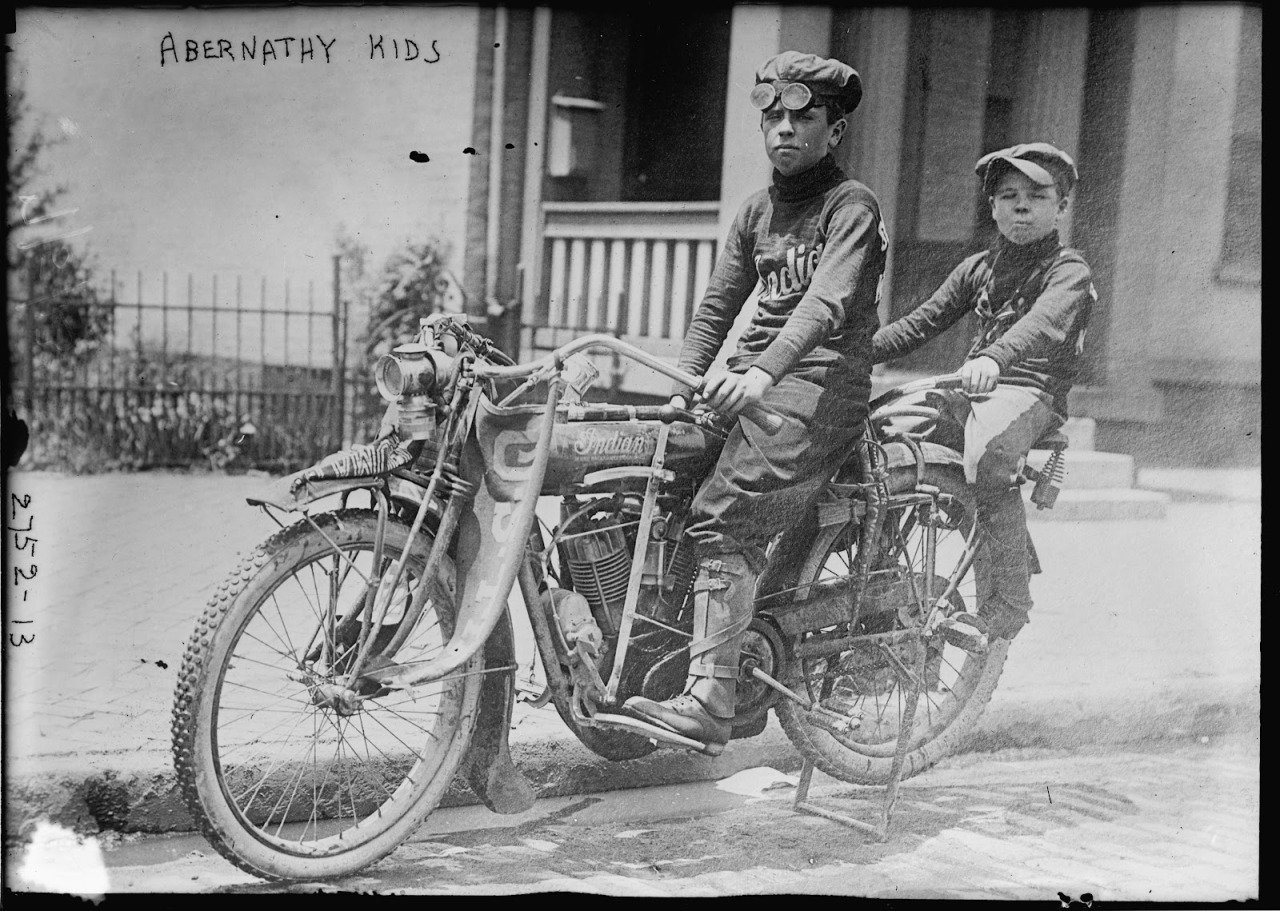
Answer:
(291, 772)
(860, 682)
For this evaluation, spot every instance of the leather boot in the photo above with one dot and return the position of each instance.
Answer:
(1002, 566)
(722, 606)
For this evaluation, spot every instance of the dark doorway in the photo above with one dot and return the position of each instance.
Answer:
(674, 134)
(943, 216)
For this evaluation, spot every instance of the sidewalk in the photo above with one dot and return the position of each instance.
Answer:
(1145, 629)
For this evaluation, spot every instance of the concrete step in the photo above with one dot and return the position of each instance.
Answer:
(1088, 469)
(1081, 432)
(1100, 505)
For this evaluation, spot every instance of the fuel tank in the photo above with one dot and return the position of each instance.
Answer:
(577, 449)
(507, 438)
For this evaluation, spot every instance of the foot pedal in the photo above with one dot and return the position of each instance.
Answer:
(656, 733)
(966, 631)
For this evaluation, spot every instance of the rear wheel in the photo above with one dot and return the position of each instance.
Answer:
(290, 772)
(860, 682)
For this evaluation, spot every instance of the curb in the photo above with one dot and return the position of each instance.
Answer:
(138, 792)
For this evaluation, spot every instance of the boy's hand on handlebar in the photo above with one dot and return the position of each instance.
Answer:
(730, 393)
(979, 375)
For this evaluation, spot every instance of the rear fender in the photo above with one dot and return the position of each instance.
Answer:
(488, 767)
(900, 455)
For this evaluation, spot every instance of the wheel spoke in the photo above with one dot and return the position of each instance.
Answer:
(366, 761)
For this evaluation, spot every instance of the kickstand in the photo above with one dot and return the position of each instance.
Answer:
(801, 805)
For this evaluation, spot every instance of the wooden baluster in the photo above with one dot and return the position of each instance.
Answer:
(635, 300)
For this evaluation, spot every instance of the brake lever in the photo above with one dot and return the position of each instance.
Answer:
(762, 415)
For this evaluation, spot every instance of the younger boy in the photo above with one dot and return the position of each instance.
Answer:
(1033, 298)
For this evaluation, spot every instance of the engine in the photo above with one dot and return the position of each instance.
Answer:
(596, 541)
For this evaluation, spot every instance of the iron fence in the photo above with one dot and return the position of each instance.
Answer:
(232, 382)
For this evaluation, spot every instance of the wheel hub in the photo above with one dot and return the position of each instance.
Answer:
(344, 701)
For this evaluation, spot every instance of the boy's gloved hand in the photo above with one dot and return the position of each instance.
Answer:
(729, 393)
(979, 375)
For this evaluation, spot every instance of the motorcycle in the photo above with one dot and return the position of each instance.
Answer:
(359, 659)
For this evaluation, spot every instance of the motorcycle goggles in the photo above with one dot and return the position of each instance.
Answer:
(795, 96)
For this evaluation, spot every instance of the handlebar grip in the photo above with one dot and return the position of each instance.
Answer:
(764, 417)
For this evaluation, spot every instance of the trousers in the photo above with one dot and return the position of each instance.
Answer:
(762, 483)
(998, 430)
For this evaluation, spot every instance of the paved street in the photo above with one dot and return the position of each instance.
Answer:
(1174, 824)
(126, 562)
(1142, 655)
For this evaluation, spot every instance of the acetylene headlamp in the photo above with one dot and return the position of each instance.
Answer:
(410, 370)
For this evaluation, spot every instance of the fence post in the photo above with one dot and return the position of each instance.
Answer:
(339, 356)
(29, 319)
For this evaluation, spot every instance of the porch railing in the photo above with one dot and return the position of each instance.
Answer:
(635, 270)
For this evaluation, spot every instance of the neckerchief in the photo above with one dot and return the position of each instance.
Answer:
(995, 319)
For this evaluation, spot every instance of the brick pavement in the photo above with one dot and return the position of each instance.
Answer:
(1124, 826)
(1127, 614)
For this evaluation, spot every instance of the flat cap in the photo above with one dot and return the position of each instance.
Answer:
(1040, 161)
(823, 76)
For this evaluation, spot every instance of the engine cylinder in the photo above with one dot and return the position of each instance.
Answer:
(599, 563)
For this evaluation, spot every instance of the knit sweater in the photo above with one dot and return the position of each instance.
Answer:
(815, 246)
(1033, 304)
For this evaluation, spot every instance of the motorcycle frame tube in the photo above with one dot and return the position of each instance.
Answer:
(538, 606)
(433, 566)
(367, 620)
(474, 626)
(637, 561)
(768, 420)
(444, 534)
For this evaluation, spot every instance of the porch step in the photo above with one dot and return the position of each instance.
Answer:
(1081, 432)
(1100, 505)
(1099, 486)
(1089, 469)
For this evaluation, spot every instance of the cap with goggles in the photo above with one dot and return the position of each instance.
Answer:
(795, 96)
(800, 80)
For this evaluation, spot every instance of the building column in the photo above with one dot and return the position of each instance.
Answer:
(874, 41)
(757, 33)
(1128, 394)
(1050, 101)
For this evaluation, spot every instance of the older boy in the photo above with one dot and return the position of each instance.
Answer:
(1033, 299)
(815, 245)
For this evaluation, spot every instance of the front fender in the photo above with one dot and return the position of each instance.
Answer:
(488, 767)
(287, 494)
(291, 494)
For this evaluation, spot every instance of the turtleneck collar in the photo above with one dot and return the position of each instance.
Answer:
(1035, 251)
(818, 179)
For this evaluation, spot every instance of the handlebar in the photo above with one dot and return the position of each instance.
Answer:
(942, 381)
(764, 416)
